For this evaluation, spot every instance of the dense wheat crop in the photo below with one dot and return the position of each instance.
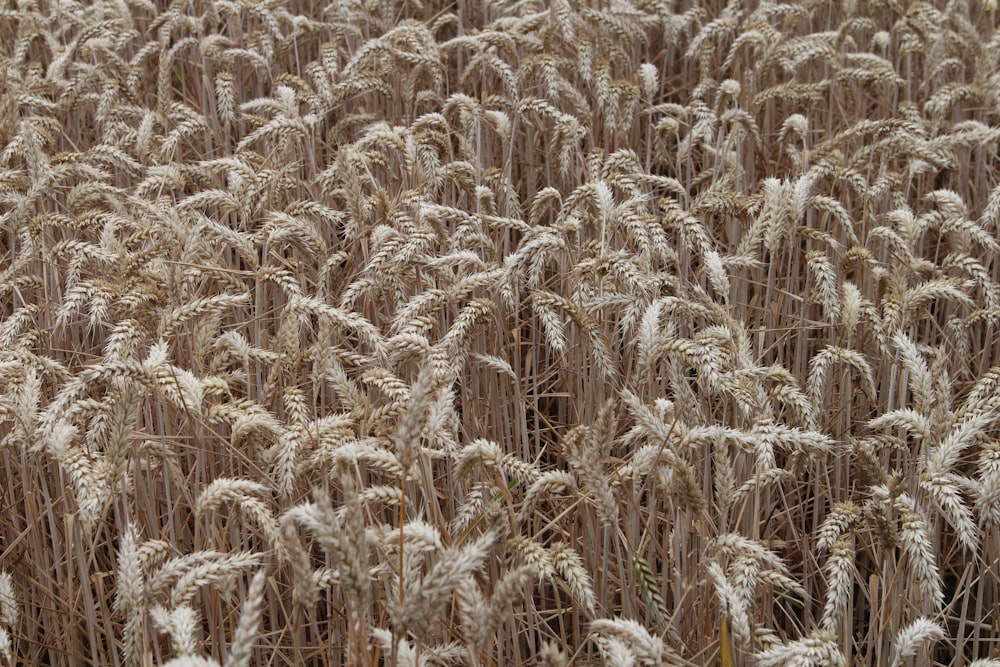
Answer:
(571, 333)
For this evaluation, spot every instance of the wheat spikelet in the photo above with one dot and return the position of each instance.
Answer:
(616, 652)
(761, 480)
(840, 572)
(478, 506)
(919, 425)
(244, 494)
(328, 432)
(733, 604)
(917, 545)
(910, 638)
(241, 650)
(130, 596)
(182, 624)
(551, 655)
(819, 373)
(501, 606)
(943, 484)
(569, 565)
(987, 491)
(717, 276)
(852, 304)
(841, 518)
(402, 650)
(649, 587)
(816, 649)
(583, 453)
(425, 597)
(185, 574)
(491, 455)
(225, 96)
(547, 483)
(9, 617)
(920, 380)
(191, 661)
(785, 388)
(826, 284)
(6, 646)
(87, 472)
(343, 539)
(648, 649)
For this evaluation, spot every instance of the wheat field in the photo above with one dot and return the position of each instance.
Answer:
(426, 333)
